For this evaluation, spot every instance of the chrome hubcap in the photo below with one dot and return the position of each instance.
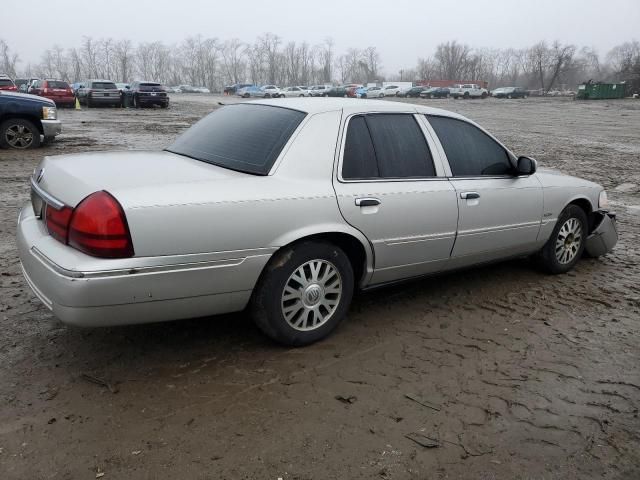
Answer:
(18, 136)
(311, 295)
(568, 241)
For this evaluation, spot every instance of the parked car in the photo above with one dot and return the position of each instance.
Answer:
(25, 84)
(435, 92)
(339, 91)
(267, 207)
(510, 92)
(361, 92)
(57, 90)
(469, 90)
(271, 91)
(7, 84)
(94, 93)
(141, 93)
(233, 89)
(75, 86)
(201, 90)
(319, 90)
(373, 92)
(19, 82)
(187, 89)
(25, 118)
(414, 92)
(390, 90)
(251, 91)
(293, 92)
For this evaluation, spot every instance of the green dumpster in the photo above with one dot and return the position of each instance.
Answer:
(601, 91)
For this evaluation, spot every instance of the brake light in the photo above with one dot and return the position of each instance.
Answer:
(99, 227)
(46, 90)
(58, 222)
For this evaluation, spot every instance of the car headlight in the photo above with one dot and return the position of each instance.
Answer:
(603, 201)
(49, 113)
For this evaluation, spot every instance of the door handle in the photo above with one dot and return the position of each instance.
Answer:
(469, 195)
(367, 202)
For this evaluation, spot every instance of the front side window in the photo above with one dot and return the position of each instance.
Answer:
(470, 151)
(386, 146)
(243, 137)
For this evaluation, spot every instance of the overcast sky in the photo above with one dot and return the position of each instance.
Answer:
(402, 30)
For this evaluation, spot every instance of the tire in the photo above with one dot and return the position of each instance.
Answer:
(246, 95)
(466, 95)
(509, 97)
(289, 321)
(19, 134)
(483, 96)
(566, 243)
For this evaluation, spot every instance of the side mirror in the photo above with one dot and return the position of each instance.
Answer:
(527, 166)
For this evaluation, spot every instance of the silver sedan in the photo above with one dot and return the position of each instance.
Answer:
(286, 207)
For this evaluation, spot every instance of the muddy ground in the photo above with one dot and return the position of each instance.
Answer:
(513, 373)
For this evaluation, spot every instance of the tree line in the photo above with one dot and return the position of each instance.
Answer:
(213, 63)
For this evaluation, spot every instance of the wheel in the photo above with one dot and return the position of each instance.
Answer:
(19, 134)
(509, 97)
(246, 95)
(164, 105)
(484, 95)
(301, 95)
(325, 95)
(304, 293)
(566, 244)
(466, 95)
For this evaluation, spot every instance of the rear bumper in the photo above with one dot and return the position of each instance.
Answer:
(149, 100)
(604, 235)
(108, 296)
(105, 100)
(51, 128)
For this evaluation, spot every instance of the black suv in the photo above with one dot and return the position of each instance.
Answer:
(140, 94)
(24, 118)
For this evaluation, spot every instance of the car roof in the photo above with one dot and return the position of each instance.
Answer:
(352, 105)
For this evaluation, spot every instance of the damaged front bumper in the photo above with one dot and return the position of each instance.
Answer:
(604, 234)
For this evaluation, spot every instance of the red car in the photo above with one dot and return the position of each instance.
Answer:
(7, 84)
(57, 90)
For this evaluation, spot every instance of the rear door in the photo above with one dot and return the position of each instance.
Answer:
(392, 188)
(500, 212)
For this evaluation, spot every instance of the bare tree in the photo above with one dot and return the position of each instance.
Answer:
(8, 60)
(451, 58)
(232, 61)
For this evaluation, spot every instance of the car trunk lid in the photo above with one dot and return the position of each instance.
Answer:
(126, 175)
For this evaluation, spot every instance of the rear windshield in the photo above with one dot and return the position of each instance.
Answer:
(104, 85)
(149, 84)
(4, 82)
(53, 84)
(242, 137)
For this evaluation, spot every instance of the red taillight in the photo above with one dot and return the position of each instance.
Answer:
(46, 90)
(58, 222)
(98, 227)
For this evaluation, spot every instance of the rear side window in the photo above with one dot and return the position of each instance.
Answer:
(104, 85)
(470, 151)
(394, 148)
(242, 137)
(359, 155)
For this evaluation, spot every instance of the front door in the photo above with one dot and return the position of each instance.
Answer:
(500, 212)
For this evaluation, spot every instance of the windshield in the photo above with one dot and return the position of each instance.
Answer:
(242, 137)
